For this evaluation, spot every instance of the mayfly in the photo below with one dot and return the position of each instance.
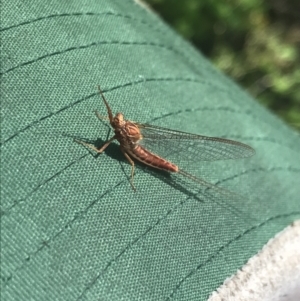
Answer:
(144, 142)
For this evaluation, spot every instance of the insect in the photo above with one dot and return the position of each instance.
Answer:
(145, 142)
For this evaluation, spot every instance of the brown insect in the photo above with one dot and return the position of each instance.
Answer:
(145, 142)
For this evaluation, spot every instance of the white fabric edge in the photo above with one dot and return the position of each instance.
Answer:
(144, 5)
(271, 275)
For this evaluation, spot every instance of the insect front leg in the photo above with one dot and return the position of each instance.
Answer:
(100, 117)
(93, 147)
(132, 167)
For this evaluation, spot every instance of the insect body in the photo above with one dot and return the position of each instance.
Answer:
(144, 142)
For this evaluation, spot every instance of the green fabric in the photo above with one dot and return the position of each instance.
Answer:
(71, 226)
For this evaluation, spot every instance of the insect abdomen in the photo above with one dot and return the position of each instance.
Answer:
(153, 160)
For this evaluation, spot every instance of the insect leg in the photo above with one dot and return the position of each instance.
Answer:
(91, 146)
(100, 117)
(110, 115)
(132, 167)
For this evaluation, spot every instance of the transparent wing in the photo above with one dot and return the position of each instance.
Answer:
(189, 147)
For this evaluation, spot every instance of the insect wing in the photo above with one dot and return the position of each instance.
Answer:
(190, 147)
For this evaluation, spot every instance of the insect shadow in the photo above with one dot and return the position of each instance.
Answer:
(114, 152)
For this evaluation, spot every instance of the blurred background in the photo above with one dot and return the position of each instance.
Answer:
(255, 42)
